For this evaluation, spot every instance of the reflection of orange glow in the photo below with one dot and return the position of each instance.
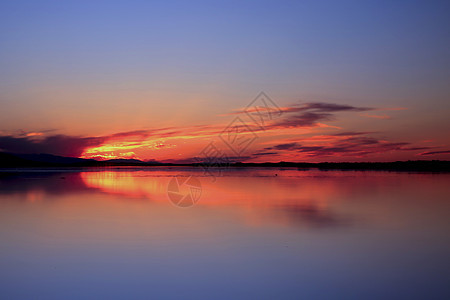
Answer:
(254, 196)
(258, 199)
(153, 185)
(124, 183)
(35, 195)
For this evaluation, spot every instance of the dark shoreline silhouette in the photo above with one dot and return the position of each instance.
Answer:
(17, 161)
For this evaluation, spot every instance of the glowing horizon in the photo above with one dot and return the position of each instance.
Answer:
(301, 132)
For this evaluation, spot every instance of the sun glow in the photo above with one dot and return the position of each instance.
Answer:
(123, 149)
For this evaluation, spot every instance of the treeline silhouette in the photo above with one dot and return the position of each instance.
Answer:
(410, 165)
(11, 160)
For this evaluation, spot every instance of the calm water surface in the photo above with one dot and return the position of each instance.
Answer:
(251, 235)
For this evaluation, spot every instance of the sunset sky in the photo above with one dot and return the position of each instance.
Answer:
(165, 80)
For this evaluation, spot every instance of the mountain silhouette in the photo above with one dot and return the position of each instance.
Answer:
(19, 160)
(49, 158)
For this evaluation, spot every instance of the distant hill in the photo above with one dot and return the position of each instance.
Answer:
(8, 160)
(53, 159)
(13, 160)
(42, 160)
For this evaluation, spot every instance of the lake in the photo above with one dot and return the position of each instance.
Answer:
(176, 233)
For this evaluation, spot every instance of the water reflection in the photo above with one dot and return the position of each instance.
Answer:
(284, 200)
(115, 234)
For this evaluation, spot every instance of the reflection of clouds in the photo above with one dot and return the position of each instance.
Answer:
(257, 198)
(312, 215)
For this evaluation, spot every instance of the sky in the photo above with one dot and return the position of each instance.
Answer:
(176, 81)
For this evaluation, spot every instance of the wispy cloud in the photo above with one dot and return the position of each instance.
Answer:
(436, 152)
(351, 144)
(312, 114)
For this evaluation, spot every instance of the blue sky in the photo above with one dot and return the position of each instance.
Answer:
(104, 60)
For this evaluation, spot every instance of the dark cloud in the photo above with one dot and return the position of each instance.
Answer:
(305, 119)
(436, 152)
(351, 147)
(141, 133)
(286, 146)
(362, 140)
(416, 148)
(325, 107)
(265, 153)
(353, 133)
(63, 145)
(347, 144)
(310, 114)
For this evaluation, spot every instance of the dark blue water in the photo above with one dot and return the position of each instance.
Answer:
(246, 235)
